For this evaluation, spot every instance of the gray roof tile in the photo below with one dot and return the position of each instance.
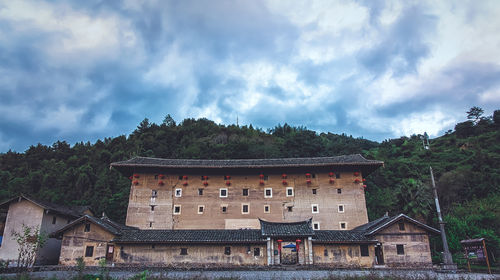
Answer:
(191, 236)
(286, 229)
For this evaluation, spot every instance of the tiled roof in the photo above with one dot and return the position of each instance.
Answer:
(373, 224)
(72, 211)
(340, 236)
(286, 229)
(191, 236)
(355, 159)
(104, 222)
(387, 221)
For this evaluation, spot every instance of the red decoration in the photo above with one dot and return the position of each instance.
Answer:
(297, 245)
(205, 177)
(357, 181)
(261, 176)
(261, 182)
(135, 182)
(332, 180)
(364, 180)
(205, 183)
(131, 177)
(184, 177)
(308, 181)
(283, 176)
(227, 177)
(161, 176)
(279, 245)
(331, 174)
(161, 183)
(356, 174)
(284, 182)
(308, 175)
(185, 183)
(136, 175)
(364, 186)
(228, 183)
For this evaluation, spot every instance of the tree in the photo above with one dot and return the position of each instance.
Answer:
(169, 121)
(30, 240)
(475, 114)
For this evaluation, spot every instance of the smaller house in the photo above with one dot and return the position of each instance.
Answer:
(88, 237)
(35, 213)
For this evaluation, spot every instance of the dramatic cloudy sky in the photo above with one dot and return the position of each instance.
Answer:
(84, 70)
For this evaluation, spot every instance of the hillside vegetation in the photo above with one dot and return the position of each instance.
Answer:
(465, 161)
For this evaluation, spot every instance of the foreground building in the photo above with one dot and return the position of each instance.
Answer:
(37, 214)
(249, 212)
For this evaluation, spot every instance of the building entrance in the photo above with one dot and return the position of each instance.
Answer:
(289, 253)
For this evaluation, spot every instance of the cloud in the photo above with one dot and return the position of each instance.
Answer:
(89, 69)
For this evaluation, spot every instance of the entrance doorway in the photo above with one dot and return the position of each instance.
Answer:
(289, 253)
(109, 253)
(379, 254)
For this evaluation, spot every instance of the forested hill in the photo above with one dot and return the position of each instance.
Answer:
(465, 161)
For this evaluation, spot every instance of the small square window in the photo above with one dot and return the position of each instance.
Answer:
(401, 249)
(256, 252)
(184, 251)
(177, 209)
(401, 226)
(227, 250)
(54, 219)
(316, 226)
(154, 193)
(315, 191)
(268, 192)
(339, 191)
(200, 191)
(364, 250)
(201, 208)
(224, 208)
(178, 192)
(245, 208)
(150, 224)
(180, 177)
(267, 209)
(289, 191)
(315, 208)
(290, 208)
(89, 251)
(245, 192)
(325, 253)
(222, 192)
(152, 208)
(343, 225)
(337, 175)
(341, 208)
(87, 227)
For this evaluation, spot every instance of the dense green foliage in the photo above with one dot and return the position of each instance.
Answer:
(465, 162)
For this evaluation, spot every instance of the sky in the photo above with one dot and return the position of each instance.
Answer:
(85, 70)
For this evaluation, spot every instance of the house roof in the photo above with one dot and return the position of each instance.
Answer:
(341, 236)
(344, 160)
(72, 211)
(190, 236)
(386, 221)
(104, 222)
(302, 228)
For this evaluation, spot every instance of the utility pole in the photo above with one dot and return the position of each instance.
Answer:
(447, 259)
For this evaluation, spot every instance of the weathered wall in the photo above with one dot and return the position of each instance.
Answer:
(139, 212)
(342, 255)
(75, 240)
(415, 240)
(49, 254)
(167, 254)
(23, 212)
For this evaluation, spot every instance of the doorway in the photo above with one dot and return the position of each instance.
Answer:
(289, 253)
(379, 254)
(109, 253)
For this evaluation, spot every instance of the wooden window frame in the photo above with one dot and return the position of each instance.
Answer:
(400, 249)
(89, 251)
(364, 250)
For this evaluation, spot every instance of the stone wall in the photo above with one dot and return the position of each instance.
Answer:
(171, 254)
(342, 255)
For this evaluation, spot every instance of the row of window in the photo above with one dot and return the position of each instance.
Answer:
(245, 208)
(264, 177)
(223, 192)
